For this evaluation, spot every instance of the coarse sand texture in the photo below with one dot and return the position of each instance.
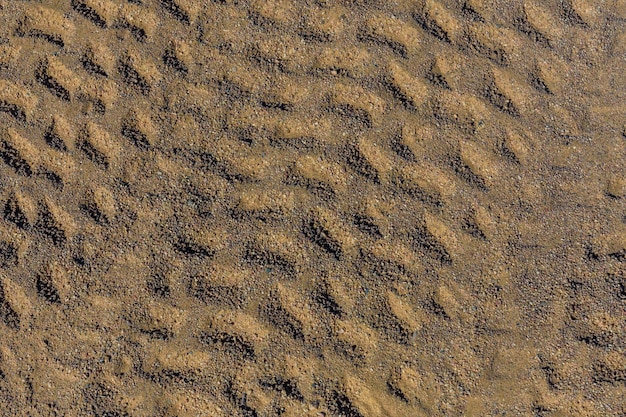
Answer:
(312, 208)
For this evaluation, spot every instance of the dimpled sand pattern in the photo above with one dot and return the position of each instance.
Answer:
(314, 208)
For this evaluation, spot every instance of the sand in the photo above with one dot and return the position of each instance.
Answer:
(312, 208)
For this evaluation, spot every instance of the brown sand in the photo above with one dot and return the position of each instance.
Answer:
(312, 208)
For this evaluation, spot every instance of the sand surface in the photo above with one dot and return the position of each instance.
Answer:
(312, 208)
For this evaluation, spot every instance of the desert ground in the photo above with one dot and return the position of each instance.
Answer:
(312, 208)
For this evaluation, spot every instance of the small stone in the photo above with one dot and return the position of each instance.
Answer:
(617, 187)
